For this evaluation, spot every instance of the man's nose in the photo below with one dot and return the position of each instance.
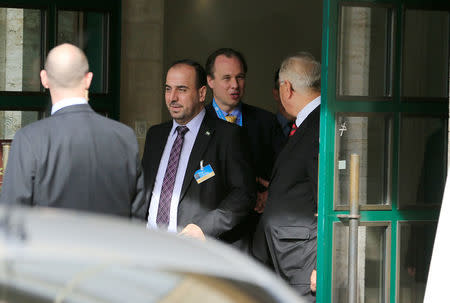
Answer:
(173, 96)
(234, 83)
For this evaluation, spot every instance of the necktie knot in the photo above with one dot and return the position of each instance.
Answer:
(293, 129)
(182, 130)
(231, 118)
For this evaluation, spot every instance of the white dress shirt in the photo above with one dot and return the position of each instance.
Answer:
(67, 102)
(189, 140)
(304, 113)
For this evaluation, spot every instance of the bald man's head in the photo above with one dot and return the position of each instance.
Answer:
(66, 67)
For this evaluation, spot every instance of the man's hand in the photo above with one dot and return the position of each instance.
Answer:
(313, 280)
(193, 231)
(261, 197)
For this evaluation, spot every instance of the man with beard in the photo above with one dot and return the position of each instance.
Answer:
(196, 167)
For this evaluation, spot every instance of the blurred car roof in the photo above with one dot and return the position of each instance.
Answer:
(52, 255)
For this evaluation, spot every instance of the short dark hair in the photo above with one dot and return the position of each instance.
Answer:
(227, 52)
(200, 73)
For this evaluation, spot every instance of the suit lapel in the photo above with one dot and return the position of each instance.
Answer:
(297, 137)
(204, 135)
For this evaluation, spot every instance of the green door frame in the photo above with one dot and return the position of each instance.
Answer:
(329, 107)
(108, 102)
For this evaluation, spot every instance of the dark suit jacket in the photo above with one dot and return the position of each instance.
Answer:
(265, 140)
(219, 203)
(264, 136)
(75, 159)
(286, 237)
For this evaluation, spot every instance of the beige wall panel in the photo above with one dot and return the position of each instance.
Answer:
(265, 31)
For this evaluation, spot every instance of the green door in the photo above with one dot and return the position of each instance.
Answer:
(385, 89)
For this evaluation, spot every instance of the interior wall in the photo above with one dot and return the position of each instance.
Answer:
(264, 31)
(141, 65)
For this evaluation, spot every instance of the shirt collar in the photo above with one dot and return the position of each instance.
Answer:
(67, 102)
(236, 112)
(282, 119)
(304, 113)
(193, 125)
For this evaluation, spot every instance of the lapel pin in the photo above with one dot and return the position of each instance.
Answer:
(207, 133)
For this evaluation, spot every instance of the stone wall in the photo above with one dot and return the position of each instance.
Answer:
(141, 67)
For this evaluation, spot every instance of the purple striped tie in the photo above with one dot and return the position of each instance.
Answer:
(162, 218)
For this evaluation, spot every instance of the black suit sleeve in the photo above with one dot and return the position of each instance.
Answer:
(240, 181)
(278, 138)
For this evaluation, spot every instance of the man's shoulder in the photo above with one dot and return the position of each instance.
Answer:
(161, 126)
(59, 122)
(115, 125)
(159, 129)
(257, 113)
(212, 121)
(34, 129)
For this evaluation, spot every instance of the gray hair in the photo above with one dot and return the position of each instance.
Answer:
(302, 71)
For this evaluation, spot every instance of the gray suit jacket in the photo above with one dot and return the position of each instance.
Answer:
(75, 159)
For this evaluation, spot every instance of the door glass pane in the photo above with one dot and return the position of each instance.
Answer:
(10, 123)
(372, 263)
(416, 245)
(20, 50)
(423, 165)
(425, 54)
(365, 48)
(87, 30)
(369, 137)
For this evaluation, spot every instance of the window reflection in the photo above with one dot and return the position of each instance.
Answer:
(87, 30)
(423, 165)
(20, 50)
(365, 49)
(425, 54)
(416, 246)
(372, 263)
(369, 137)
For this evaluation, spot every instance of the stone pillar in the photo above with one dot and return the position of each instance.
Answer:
(141, 101)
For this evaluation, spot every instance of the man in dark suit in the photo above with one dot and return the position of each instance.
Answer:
(286, 237)
(196, 167)
(226, 70)
(76, 158)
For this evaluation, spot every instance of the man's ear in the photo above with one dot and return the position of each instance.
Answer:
(210, 81)
(44, 78)
(276, 94)
(289, 89)
(88, 80)
(202, 93)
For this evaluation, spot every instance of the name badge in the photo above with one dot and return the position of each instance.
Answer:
(204, 173)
